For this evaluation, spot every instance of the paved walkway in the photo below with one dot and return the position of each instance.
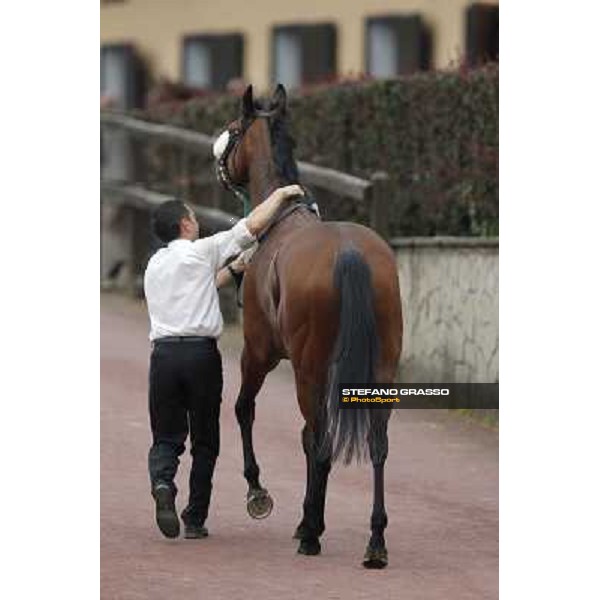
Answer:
(441, 497)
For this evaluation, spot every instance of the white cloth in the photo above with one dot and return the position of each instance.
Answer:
(220, 145)
(180, 283)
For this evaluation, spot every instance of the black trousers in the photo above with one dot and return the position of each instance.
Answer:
(186, 382)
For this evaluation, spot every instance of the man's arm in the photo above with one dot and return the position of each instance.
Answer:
(235, 269)
(224, 277)
(259, 218)
(242, 235)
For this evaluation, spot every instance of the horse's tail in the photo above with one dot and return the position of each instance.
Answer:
(354, 357)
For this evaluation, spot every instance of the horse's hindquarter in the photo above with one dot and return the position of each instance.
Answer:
(308, 304)
(284, 295)
(291, 308)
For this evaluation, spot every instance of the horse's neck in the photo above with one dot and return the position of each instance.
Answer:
(263, 182)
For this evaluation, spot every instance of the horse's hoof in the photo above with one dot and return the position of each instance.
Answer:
(259, 503)
(375, 558)
(300, 533)
(309, 547)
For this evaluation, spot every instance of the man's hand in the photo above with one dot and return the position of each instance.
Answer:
(259, 218)
(288, 191)
(239, 264)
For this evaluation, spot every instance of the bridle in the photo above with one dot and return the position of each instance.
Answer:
(234, 137)
(222, 171)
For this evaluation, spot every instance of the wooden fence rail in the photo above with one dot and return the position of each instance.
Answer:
(342, 184)
(139, 197)
(120, 187)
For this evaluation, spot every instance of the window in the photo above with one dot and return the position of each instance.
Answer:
(303, 54)
(211, 61)
(397, 46)
(123, 84)
(482, 34)
(122, 76)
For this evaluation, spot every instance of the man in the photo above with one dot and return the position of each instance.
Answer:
(186, 381)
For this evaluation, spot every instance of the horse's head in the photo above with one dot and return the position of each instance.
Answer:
(258, 136)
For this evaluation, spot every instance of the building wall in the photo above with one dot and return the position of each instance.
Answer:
(156, 28)
(449, 289)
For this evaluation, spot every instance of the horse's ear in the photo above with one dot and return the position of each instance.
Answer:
(248, 103)
(279, 100)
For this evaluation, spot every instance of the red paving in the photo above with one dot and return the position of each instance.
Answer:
(441, 498)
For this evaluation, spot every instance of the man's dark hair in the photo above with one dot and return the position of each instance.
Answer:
(166, 219)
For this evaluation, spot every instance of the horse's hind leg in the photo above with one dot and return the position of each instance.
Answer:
(318, 466)
(312, 525)
(259, 503)
(376, 556)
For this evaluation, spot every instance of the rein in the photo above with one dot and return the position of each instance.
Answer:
(284, 214)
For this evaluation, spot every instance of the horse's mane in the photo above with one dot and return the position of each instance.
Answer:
(283, 150)
(283, 145)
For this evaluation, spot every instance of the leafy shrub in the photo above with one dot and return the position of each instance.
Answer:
(434, 133)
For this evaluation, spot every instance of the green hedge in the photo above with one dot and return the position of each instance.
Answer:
(435, 133)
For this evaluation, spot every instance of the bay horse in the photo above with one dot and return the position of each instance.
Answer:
(324, 295)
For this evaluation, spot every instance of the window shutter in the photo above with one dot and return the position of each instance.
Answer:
(318, 52)
(482, 33)
(140, 79)
(227, 55)
(413, 45)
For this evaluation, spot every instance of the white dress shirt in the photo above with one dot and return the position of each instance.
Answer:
(180, 283)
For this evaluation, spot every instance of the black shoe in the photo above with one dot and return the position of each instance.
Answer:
(166, 515)
(194, 532)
